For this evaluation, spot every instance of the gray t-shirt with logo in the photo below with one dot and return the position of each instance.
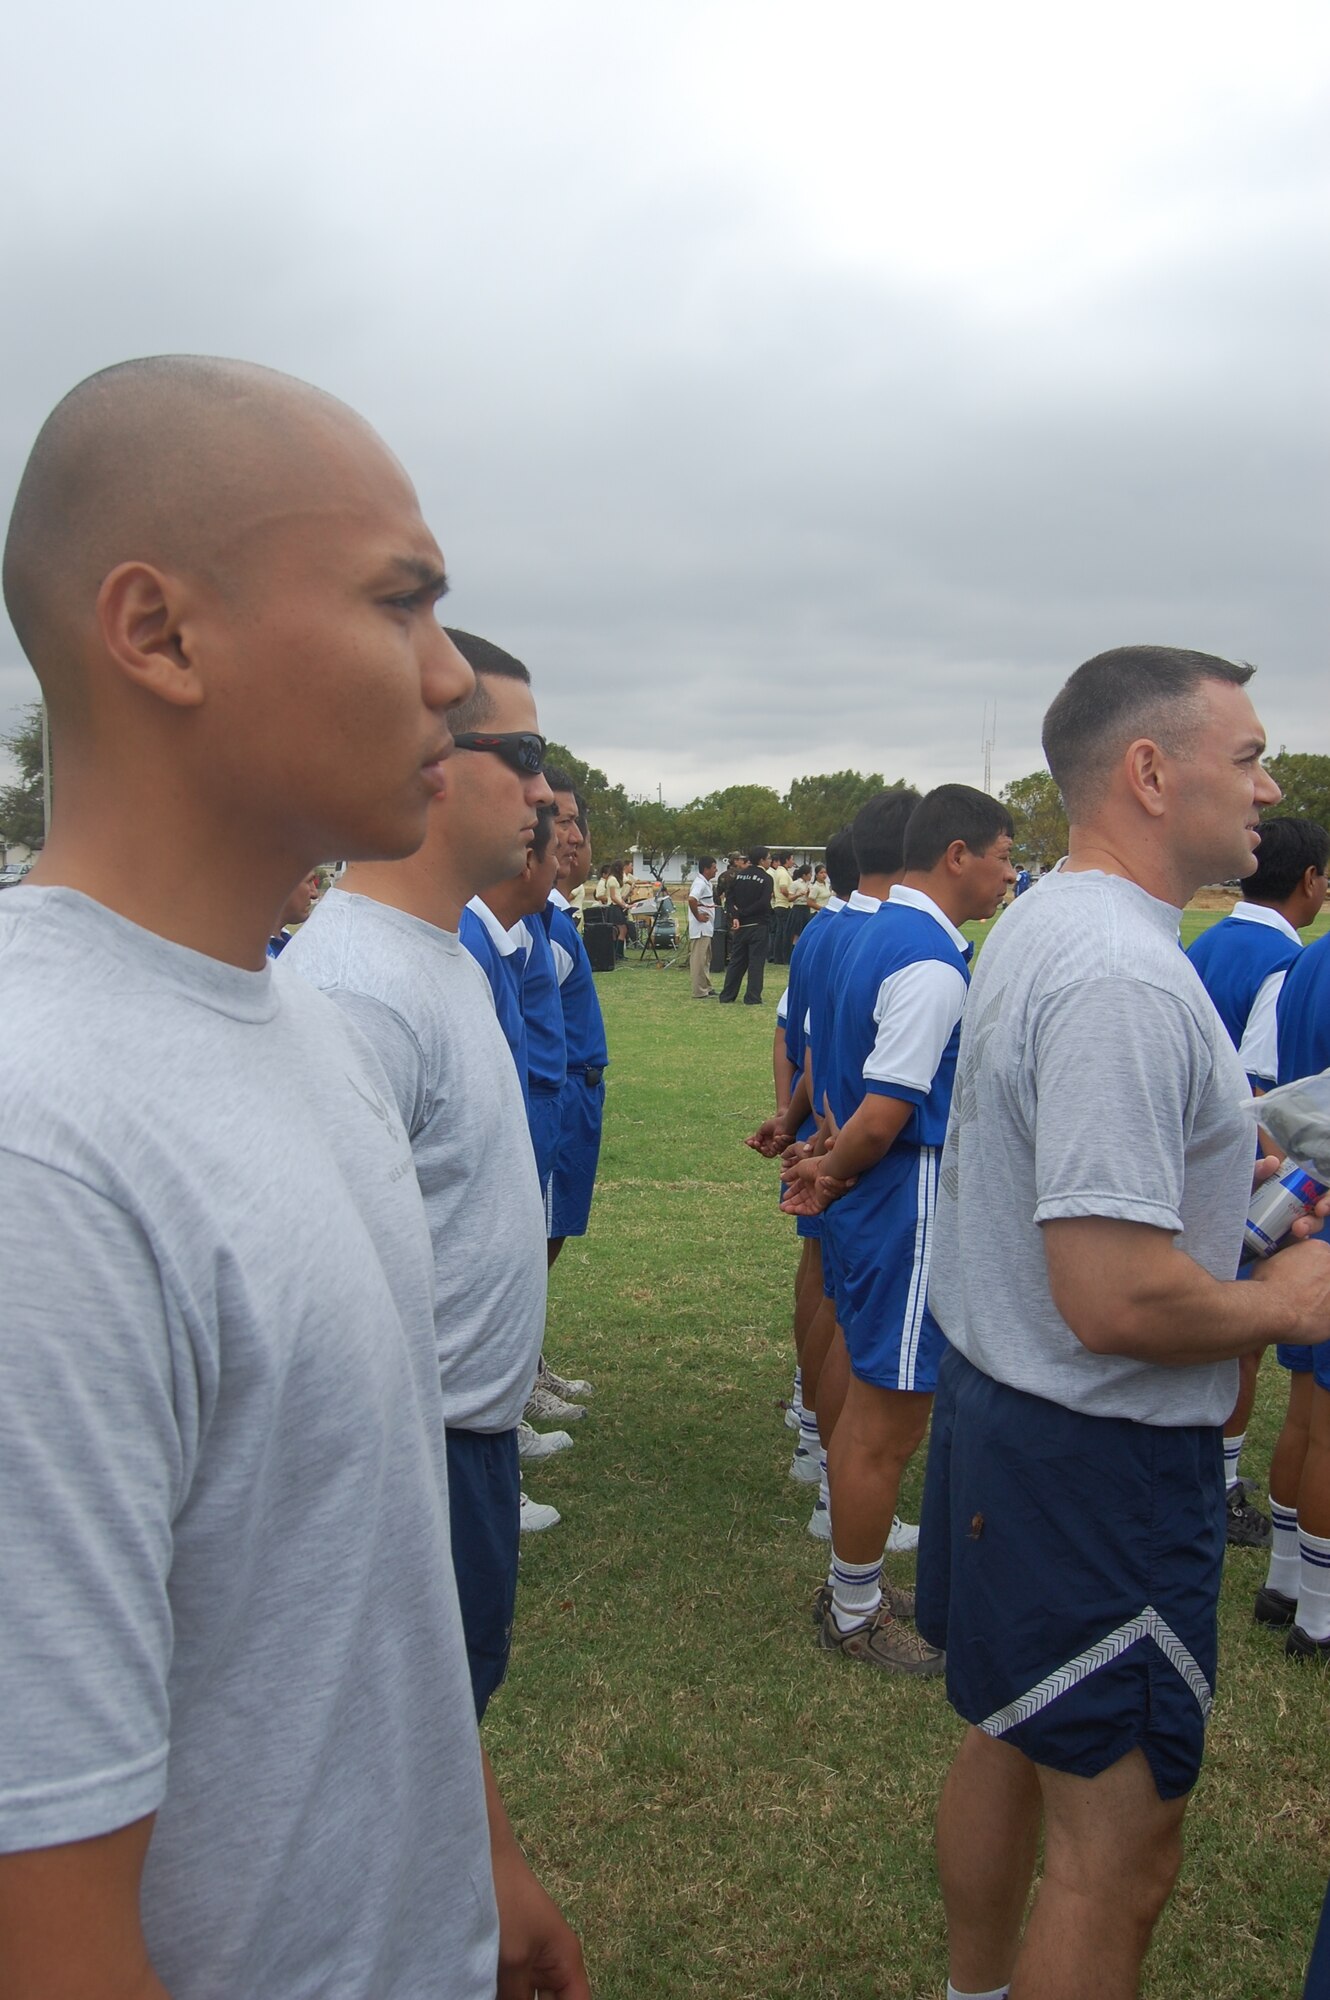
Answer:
(225, 1574)
(1094, 1079)
(425, 1005)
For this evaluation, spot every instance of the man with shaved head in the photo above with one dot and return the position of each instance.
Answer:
(240, 1753)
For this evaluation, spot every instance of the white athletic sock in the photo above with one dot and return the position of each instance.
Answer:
(797, 1398)
(1314, 1584)
(856, 1591)
(1284, 1572)
(994, 1993)
(808, 1437)
(1232, 1456)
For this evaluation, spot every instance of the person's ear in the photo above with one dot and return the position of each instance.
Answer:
(147, 629)
(1144, 765)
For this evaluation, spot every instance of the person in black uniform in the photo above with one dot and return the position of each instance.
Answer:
(748, 910)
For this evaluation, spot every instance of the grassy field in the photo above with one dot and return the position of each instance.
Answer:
(722, 1810)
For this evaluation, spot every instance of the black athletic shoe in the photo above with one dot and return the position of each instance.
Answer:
(1299, 1645)
(1273, 1608)
(1247, 1526)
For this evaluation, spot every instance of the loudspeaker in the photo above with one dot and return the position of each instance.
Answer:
(599, 942)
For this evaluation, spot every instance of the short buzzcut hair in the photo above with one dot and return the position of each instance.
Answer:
(1289, 847)
(706, 861)
(757, 855)
(582, 820)
(559, 780)
(878, 830)
(486, 661)
(1118, 697)
(954, 812)
(842, 867)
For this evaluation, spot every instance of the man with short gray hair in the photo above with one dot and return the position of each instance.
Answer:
(1073, 1524)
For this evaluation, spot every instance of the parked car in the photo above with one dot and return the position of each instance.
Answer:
(13, 874)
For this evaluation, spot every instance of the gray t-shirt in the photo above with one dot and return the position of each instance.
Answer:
(425, 1006)
(225, 1576)
(1095, 1079)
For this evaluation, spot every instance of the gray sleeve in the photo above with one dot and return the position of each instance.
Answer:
(93, 1469)
(395, 1044)
(1115, 1068)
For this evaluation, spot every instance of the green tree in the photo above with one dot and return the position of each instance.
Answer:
(737, 817)
(609, 809)
(21, 819)
(1035, 804)
(820, 806)
(1303, 776)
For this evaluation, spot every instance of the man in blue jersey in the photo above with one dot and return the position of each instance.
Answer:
(1242, 961)
(582, 1105)
(889, 1067)
(794, 1124)
(520, 906)
(1297, 1591)
(1072, 1536)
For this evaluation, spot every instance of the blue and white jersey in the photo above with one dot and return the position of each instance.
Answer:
(1241, 962)
(1304, 1014)
(496, 953)
(819, 1019)
(542, 1009)
(583, 1022)
(805, 972)
(896, 1028)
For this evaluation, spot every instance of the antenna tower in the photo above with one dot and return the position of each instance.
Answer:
(989, 739)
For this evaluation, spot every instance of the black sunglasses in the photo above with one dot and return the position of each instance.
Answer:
(520, 749)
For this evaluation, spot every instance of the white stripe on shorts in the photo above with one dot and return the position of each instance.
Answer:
(1146, 1625)
(925, 1196)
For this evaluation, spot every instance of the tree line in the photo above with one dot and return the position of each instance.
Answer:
(734, 818)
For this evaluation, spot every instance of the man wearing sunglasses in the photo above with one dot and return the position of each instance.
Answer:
(385, 946)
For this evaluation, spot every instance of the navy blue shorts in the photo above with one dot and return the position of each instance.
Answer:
(544, 1117)
(1070, 1566)
(829, 1269)
(484, 1487)
(581, 1115)
(1321, 1365)
(1297, 1360)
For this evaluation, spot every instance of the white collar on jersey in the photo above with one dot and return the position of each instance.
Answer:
(503, 941)
(559, 900)
(915, 899)
(1261, 913)
(861, 902)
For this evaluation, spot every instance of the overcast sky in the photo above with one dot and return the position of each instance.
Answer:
(782, 385)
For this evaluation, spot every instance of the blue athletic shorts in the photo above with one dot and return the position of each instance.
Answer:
(484, 1488)
(581, 1114)
(1298, 1360)
(1321, 1365)
(804, 1225)
(883, 1249)
(544, 1117)
(829, 1261)
(1070, 1566)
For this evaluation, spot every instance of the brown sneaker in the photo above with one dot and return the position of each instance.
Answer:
(900, 1603)
(884, 1642)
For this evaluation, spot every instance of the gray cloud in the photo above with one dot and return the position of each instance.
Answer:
(748, 510)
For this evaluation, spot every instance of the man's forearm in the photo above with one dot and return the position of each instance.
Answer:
(1127, 1290)
(867, 1137)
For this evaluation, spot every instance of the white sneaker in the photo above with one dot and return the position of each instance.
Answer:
(541, 1444)
(806, 1465)
(904, 1536)
(791, 1417)
(819, 1521)
(533, 1516)
(544, 1406)
(560, 1385)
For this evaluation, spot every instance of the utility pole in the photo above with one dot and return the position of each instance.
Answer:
(989, 738)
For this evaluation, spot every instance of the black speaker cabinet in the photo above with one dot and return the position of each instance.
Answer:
(599, 942)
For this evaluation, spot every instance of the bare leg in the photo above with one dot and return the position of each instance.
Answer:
(805, 1297)
(1314, 1486)
(820, 1331)
(1290, 1450)
(832, 1384)
(1112, 1850)
(987, 1834)
(877, 1435)
(553, 1245)
(1248, 1368)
